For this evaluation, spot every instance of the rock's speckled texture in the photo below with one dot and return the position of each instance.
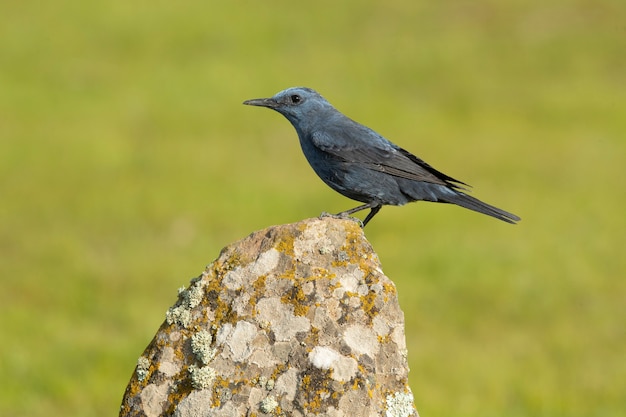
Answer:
(294, 320)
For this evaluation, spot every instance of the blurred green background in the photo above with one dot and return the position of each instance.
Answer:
(127, 162)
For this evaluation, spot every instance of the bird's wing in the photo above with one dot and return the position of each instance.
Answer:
(356, 143)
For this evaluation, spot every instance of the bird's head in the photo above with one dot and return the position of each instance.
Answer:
(298, 104)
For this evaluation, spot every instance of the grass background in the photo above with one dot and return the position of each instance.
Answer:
(127, 161)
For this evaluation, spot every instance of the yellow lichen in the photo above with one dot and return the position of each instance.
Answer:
(176, 395)
(313, 337)
(338, 264)
(278, 370)
(215, 397)
(356, 384)
(306, 381)
(296, 298)
(300, 309)
(230, 263)
(259, 283)
(316, 389)
(259, 292)
(368, 303)
(389, 288)
(285, 245)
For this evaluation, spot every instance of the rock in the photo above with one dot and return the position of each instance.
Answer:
(294, 320)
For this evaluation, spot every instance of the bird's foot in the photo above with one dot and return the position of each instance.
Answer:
(342, 216)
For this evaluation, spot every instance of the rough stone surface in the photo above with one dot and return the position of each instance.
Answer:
(294, 320)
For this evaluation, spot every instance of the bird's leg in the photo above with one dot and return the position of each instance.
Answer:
(371, 214)
(354, 210)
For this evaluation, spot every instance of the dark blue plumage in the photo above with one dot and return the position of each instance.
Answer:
(361, 164)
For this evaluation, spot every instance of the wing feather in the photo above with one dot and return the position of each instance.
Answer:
(359, 144)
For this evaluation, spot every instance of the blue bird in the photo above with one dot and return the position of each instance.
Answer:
(357, 162)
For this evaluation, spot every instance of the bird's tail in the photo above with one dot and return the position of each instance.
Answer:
(469, 202)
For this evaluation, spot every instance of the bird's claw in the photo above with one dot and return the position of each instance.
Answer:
(342, 216)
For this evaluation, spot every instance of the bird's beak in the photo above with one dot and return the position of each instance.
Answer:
(262, 102)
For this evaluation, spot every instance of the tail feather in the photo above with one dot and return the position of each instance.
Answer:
(469, 202)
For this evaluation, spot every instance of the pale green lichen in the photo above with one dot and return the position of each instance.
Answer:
(179, 315)
(400, 405)
(268, 405)
(143, 368)
(188, 299)
(325, 250)
(201, 377)
(201, 346)
(193, 295)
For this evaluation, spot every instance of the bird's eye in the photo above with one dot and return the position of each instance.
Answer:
(295, 99)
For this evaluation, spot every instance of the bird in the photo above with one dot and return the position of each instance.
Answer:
(361, 164)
